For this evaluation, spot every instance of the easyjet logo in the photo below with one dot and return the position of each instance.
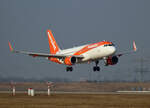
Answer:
(52, 41)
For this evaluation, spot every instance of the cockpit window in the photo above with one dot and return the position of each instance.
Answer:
(108, 45)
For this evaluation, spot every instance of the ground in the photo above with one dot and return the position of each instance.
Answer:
(75, 101)
(77, 95)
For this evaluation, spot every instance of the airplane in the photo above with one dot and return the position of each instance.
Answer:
(104, 50)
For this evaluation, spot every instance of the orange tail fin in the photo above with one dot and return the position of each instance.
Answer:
(54, 48)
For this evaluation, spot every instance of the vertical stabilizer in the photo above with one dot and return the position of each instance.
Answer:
(54, 48)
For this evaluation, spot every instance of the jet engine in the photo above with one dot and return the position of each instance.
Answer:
(112, 60)
(70, 60)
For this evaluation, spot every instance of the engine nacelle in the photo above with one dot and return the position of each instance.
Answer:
(112, 60)
(70, 60)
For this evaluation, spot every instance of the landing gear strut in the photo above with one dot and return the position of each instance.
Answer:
(69, 69)
(96, 68)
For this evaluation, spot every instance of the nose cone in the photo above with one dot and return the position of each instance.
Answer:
(112, 50)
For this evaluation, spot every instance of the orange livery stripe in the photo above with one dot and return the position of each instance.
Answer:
(91, 46)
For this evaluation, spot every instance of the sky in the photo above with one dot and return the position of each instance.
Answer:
(73, 22)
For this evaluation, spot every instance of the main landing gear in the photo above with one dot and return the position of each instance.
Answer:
(96, 68)
(69, 69)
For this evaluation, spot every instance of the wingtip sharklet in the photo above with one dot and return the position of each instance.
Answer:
(134, 46)
(10, 46)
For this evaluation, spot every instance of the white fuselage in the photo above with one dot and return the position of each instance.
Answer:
(96, 53)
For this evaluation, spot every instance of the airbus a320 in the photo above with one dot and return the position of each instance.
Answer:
(104, 50)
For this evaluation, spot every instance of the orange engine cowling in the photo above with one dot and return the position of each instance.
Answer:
(112, 60)
(70, 60)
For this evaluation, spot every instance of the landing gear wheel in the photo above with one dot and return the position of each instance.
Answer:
(69, 69)
(96, 68)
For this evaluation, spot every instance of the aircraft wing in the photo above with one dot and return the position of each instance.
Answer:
(33, 54)
(128, 52)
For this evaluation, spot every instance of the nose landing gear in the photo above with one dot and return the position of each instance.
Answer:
(96, 68)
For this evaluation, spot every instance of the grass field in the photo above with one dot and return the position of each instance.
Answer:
(75, 101)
